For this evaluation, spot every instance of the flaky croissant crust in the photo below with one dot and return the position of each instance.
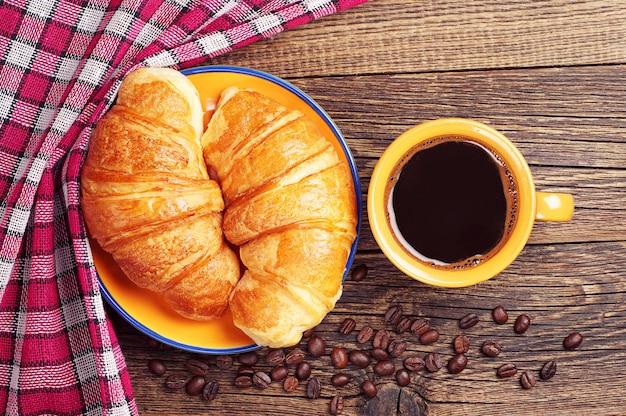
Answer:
(291, 209)
(148, 200)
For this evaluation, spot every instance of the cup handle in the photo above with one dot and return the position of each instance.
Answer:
(553, 206)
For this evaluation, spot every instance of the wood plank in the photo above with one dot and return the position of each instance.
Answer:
(400, 36)
(582, 104)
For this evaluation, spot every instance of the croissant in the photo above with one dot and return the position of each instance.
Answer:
(290, 208)
(148, 200)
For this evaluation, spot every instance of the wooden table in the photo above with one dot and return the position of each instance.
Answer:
(551, 75)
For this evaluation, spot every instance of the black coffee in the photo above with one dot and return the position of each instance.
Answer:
(452, 202)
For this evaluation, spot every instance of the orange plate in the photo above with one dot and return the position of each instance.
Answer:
(147, 311)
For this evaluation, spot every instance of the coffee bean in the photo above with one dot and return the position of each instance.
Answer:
(210, 390)
(365, 334)
(295, 356)
(528, 380)
(197, 367)
(347, 326)
(414, 363)
(313, 388)
(261, 379)
(461, 344)
(290, 384)
(303, 371)
(157, 367)
(548, 370)
(369, 389)
(336, 405)
(316, 346)
(195, 385)
(499, 314)
(275, 357)
(243, 382)
(359, 358)
(521, 324)
(468, 321)
(572, 341)
(381, 339)
(339, 357)
(308, 333)
(429, 337)
(491, 348)
(245, 370)
(359, 273)
(393, 314)
(403, 378)
(396, 347)
(404, 324)
(340, 379)
(507, 370)
(457, 363)
(419, 326)
(248, 358)
(433, 362)
(224, 362)
(384, 368)
(379, 354)
(175, 381)
(279, 373)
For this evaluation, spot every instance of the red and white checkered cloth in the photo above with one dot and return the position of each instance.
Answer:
(61, 62)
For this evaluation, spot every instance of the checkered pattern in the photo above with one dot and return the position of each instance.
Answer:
(61, 63)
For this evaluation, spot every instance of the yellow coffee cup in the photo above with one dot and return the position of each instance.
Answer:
(452, 202)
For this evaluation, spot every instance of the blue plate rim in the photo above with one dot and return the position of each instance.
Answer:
(357, 188)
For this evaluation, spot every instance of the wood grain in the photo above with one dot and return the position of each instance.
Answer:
(551, 75)
(404, 36)
(577, 298)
